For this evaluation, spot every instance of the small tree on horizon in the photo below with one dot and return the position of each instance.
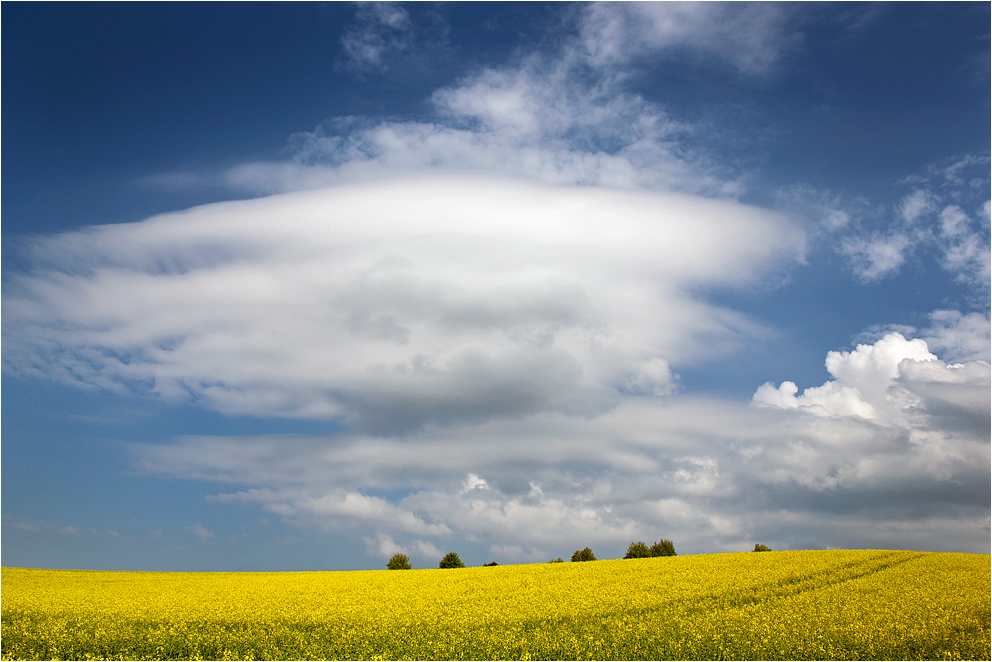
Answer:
(637, 550)
(490, 564)
(583, 555)
(663, 547)
(758, 547)
(399, 562)
(557, 560)
(451, 560)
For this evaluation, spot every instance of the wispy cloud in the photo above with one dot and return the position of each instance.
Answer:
(380, 32)
(943, 218)
(564, 117)
(200, 532)
(875, 257)
(39, 526)
(537, 121)
(959, 337)
(752, 37)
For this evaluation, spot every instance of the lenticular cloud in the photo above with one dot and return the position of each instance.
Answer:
(395, 304)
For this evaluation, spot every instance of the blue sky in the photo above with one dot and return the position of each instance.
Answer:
(298, 286)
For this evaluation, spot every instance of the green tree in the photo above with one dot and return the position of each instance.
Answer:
(758, 547)
(637, 550)
(663, 547)
(491, 563)
(557, 560)
(451, 560)
(583, 555)
(399, 562)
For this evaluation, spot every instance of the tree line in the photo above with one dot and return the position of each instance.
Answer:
(635, 550)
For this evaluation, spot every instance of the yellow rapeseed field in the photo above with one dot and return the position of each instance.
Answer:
(866, 604)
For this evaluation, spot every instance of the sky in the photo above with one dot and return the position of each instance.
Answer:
(301, 286)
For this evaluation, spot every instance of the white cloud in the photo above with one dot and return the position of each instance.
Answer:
(653, 377)
(425, 550)
(957, 336)
(383, 545)
(878, 240)
(397, 304)
(536, 121)
(961, 172)
(200, 532)
(876, 257)
(381, 31)
(823, 211)
(783, 396)
(708, 473)
(966, 253)
(550, 118)
(836, 219)
(862, 382)
(915, 205)
(335, 506)
(752, 37)
(953, 221)
(474, 482)
(898, 436)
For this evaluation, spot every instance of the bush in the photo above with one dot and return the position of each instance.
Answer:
(663, 547)
(557, 560)
(637, 550)
(758, 547)
(399, 562)
(451, 560)
(583, 555)
(491, 563)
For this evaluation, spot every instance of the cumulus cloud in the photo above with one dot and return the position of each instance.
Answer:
(886, 382)
(862, 381)
(899, 384)
(397, 304)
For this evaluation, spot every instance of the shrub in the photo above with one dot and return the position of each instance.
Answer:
(663, 547)
(637, 550)
(758, 547)
(557, 560)
(583, 555)
(451, 560)
(399, 562)
(491, 563)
